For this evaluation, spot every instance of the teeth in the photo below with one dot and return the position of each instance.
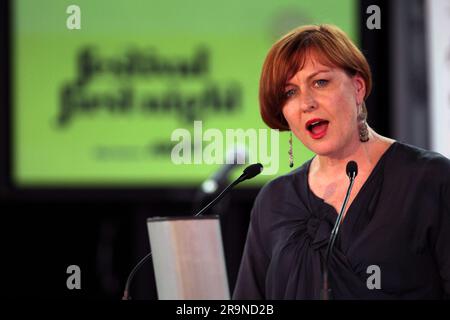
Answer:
(312, 124)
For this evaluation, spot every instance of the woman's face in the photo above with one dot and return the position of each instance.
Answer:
(321, 107)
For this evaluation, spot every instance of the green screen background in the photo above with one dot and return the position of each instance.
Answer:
(101, 147)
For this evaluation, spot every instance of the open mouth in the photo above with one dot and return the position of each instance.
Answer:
(317, 128)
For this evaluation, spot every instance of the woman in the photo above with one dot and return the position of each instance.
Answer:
(394, 239)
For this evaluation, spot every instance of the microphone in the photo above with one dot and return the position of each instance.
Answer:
(352, 169)
(235, 157)
(250, 172)
(352, 172)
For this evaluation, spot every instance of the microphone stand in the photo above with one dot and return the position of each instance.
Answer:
(220, 196)
(126, 292)
(326, 290)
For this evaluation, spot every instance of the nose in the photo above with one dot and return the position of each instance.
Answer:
(307, 101)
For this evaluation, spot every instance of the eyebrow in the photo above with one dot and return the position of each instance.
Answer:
(311, 75)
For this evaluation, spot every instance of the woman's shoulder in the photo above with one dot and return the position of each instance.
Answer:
(280, 198)
(421, 162)
(422, 158)
(284, 185)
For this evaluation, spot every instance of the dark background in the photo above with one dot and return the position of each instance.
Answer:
(103, 231)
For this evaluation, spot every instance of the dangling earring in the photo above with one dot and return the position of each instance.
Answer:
(291, 154)
(362, 124)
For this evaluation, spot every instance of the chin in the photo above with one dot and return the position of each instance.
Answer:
(323, 148)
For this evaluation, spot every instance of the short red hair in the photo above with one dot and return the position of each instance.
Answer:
(288, 55)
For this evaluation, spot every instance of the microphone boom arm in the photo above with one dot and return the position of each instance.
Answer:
(326, 291)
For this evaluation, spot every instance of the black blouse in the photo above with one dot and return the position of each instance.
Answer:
(399, 222)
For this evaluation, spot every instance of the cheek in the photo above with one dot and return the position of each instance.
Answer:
(290, 114)
(294, 120)
(345, 109)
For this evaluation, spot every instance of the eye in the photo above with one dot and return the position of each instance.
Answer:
(289, 93)
(320, 83)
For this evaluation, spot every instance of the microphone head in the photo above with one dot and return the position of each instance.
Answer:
(252, 170)
(352, 169)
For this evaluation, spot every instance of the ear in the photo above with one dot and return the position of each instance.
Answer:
(360, 88)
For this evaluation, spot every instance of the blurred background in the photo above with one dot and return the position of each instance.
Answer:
(88, 113)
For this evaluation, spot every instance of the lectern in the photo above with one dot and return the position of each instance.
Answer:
(188, 258)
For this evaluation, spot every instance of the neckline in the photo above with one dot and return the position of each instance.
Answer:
(361, 190)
